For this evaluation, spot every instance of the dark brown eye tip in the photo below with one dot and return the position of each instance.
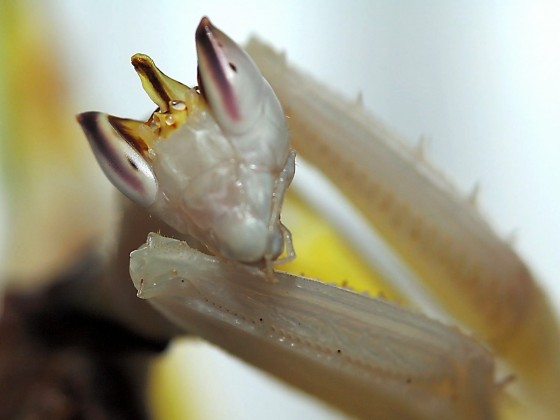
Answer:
(204, 28)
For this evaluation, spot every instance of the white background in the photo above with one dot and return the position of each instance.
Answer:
(479, 79)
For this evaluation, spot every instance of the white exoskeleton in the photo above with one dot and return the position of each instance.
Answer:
(366, 356)
(213, 161)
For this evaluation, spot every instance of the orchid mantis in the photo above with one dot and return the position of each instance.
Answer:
(214, 162)
(221, 177)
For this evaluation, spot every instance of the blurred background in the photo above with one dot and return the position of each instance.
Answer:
(479, 80)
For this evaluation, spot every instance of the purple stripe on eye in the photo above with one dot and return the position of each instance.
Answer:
(106, 154)
(215, 59)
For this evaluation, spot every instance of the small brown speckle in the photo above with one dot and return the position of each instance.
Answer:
(132, 164)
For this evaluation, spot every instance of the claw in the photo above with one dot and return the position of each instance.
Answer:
(119, 145)
(228, 78)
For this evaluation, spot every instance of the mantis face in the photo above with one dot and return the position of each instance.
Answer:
(212, 161)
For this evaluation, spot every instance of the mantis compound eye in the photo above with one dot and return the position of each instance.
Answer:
(229, 79)
(120, 155)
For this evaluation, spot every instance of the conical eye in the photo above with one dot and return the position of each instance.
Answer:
(230, 81)
(120, 155)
